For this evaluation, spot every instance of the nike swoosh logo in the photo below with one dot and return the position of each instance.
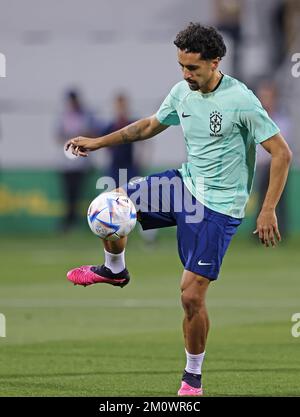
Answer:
(203, 263)
(186, 115)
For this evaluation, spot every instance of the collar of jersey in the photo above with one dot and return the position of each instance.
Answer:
(215, 90)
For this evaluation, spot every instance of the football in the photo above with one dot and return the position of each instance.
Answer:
(111, 215)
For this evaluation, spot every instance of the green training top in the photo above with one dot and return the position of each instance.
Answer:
(221, 130)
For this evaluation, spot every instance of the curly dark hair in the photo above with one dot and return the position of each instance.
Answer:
(203, 39)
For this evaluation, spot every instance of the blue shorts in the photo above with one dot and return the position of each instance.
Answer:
(203, 235)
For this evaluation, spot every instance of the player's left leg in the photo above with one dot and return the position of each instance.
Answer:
(196, 322)
(195, 330)
(202, 245)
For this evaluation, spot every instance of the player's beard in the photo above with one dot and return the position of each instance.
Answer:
(201, 84)
(194, 86)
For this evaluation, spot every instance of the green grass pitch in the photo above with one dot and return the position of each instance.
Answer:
(106, 341)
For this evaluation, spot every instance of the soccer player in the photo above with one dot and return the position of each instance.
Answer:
(222, 122)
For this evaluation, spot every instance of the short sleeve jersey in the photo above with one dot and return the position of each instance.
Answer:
(221, 130)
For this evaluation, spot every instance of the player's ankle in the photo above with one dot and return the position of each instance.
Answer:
(194, 380)
(115, 262)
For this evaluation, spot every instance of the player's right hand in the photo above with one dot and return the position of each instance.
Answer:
(81, 145)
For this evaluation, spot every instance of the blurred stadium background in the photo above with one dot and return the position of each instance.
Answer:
(128, 342)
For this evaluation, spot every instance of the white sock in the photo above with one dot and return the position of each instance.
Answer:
(194, 362)
(115, 261)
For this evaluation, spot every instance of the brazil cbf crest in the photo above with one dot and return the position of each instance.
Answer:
(215, 123)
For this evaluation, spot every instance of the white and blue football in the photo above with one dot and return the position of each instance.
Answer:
(111, 215)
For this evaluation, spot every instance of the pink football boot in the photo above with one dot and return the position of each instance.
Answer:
(190, 385)
(187, 390)
(89, 274)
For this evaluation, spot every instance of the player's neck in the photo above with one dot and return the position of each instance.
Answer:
(212, 83)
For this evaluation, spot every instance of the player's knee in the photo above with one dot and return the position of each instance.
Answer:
(192, 303)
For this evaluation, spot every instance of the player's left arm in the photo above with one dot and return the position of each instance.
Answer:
(266, 225)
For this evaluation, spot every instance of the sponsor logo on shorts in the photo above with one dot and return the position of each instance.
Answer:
(203, 263)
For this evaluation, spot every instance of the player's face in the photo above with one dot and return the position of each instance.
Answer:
(197, 72)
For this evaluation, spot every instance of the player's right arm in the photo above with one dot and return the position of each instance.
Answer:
(141, 130)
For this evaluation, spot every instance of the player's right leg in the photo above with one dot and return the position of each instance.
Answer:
(110, 272)
(113, 271)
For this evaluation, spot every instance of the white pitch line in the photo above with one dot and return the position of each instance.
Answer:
(108, 303)
(140, 303)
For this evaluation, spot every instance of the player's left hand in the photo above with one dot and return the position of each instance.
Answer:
(267, 228)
